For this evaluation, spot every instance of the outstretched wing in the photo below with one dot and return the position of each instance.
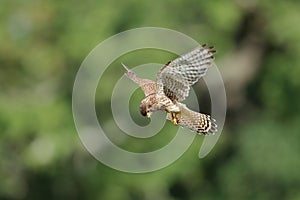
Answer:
(148, 86)
(176, 77)
(197, 122)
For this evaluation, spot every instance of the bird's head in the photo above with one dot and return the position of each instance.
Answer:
(145, 108)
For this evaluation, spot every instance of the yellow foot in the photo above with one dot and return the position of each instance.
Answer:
(174, 119)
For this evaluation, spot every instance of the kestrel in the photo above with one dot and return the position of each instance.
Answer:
(173, 82)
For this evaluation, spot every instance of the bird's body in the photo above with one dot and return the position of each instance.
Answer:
(172, 86)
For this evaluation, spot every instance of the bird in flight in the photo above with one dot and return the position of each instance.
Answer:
(173, 82)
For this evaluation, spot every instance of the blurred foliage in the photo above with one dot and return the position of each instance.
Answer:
(42, 46)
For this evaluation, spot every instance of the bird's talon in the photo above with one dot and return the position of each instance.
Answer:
(174, 119)
(175, 122)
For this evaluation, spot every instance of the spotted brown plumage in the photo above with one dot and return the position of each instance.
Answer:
(172, 85)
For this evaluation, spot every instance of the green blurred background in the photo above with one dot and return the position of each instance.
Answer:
(42, 46)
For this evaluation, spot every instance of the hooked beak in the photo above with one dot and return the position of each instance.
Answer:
(148, 115)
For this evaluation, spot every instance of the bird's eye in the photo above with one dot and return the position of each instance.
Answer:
(144, 113)
(143, 110)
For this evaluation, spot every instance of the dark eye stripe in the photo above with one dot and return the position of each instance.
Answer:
(143, 110)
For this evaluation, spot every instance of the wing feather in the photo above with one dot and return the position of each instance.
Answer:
(176, 77)
(148, 86)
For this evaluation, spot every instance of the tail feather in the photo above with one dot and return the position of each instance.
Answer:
(197, 122)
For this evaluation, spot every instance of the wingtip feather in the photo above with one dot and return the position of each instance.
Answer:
(125, 67)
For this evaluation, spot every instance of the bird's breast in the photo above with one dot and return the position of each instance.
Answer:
(173, 108)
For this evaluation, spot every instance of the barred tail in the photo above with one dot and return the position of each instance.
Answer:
(197, 122)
